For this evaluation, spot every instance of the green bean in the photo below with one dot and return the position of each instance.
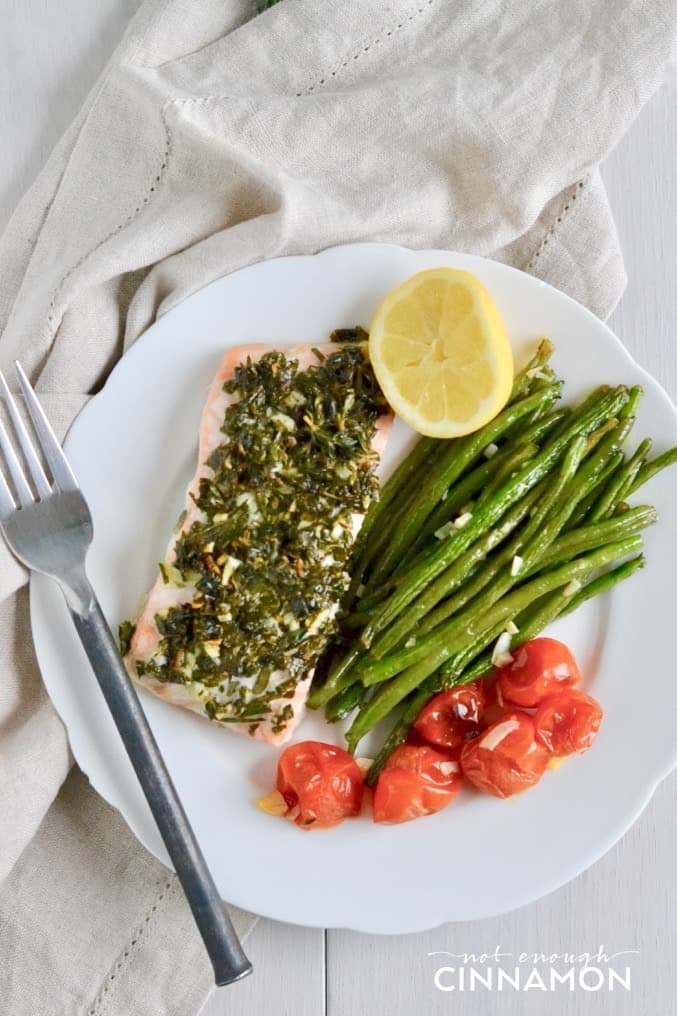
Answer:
(634, 396)
(340, 677)
(424, 548)
(634, 466)
(594, 534)
(539, 536)
(398, 733)
(466, 624)
(342, 704)
(604, 582)
(366, 604)
(535, 375)
(519, 599)
(461, 453)
(392, 488)
(459, 594)
(596, 436)
(611, 442)
(620, 481)
(441, 648)
(496, 575)
(608, 449)
(422, 574)
(524, 379)
(652, 467)
(514, 433)
(580, 514)
(466, 489)
(619, 484)
(366, 546)
(377, 544)
(591, 474)
(508, 469)
(458, 663)
(531, 623)
(588, 404)
(545, 495)
(455, 575)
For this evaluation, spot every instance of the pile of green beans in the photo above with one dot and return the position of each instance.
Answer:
(514, 525)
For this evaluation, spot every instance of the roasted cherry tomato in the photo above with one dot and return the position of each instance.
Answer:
(506, 758)
(494, 705)
(416, 780)
(452, 716)
(413, 738)
(322, 784)
(539, 668)
(568, 722)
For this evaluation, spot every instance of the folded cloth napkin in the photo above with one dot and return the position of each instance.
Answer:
(212, 140)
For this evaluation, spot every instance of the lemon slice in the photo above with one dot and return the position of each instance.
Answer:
(441, 354)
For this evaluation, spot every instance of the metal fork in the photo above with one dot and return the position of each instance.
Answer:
(50, 532)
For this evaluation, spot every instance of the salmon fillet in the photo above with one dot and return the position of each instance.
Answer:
(220, 677)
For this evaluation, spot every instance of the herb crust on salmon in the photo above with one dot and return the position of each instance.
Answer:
(246, 597)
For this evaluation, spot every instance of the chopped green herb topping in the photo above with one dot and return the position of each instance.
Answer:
(356, 334)
(267, 559)
(125, 635)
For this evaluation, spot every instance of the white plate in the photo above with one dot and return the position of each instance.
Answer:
(133, 448)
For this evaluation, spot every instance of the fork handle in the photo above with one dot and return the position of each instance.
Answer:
(220, 939)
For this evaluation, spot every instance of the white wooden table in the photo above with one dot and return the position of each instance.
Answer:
(50, 54)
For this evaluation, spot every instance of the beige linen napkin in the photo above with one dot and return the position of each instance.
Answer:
(212, 141)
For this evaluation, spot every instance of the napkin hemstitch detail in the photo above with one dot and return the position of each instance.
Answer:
(162, 169)
(365, 48)
(137, 935)
(550, 232)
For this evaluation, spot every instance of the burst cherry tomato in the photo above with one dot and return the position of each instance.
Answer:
(416, 780)
(539, 668)
(452, 716)
(415, 739)
(494, 706)
(507, 758)
(568, 722)
(322, 781)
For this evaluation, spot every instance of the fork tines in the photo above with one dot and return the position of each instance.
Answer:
(28, 450)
